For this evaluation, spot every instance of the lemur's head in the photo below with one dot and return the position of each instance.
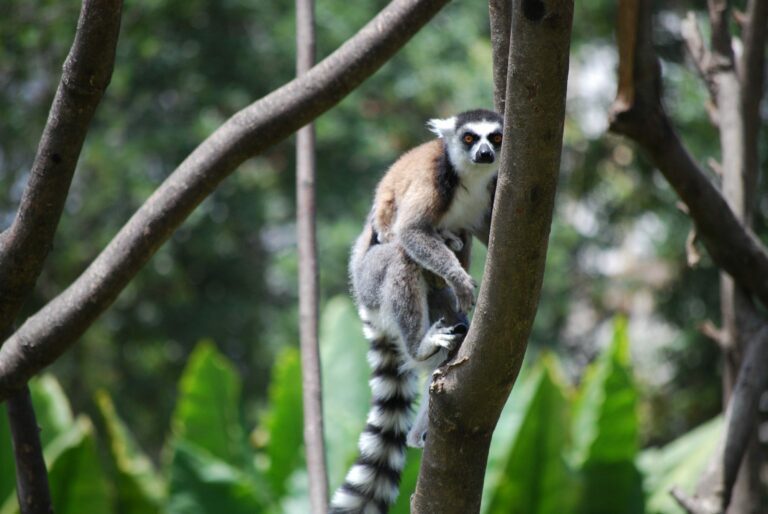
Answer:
(472, 138)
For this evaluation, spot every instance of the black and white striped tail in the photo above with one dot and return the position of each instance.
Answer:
(371, 485)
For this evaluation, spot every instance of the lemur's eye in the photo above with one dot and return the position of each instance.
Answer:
(496, 138)
(468, 138)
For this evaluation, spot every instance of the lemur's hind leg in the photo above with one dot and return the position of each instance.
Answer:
(407, 290)
(440, 301)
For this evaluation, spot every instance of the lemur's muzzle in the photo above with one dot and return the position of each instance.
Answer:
(484, 155)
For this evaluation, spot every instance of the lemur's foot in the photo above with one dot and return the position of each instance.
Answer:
(447, 336)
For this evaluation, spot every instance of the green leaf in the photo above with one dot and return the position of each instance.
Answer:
(535, 478)
(507, 428)
(138, 488)
(200, 483)
(679, 463)
(345, 384)
(283, 422)
(207, 411)
(52, 409)
(605, 432)
(75, 474)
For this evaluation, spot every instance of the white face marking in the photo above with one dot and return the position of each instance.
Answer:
(465, 159)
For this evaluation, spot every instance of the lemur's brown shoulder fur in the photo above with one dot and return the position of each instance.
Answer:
(412, 184)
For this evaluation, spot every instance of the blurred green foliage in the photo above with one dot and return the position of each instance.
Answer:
(556, 449)
(229, 273)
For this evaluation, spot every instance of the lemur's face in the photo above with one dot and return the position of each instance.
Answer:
(481, 140)
(473, 138)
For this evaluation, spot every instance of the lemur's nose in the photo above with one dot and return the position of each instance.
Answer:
(484, 155)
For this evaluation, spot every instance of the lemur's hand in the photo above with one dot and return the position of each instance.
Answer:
(453, 241)
(464, 286)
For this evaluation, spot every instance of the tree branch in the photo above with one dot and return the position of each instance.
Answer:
(308, 275)
(732, 246)
(87, 71)
(31, 477)
(715, 487)
(47, 334)
(751, 72)
(25, 245)
(500, 14)
(722, 223)
(467, 394)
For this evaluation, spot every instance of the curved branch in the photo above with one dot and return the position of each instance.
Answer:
(732, 246)
(47, 334)
(468, 393)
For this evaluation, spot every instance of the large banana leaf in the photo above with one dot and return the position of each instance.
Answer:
(201, 483)
(283, 422)
(535, 477)
(345, 384)
(679, 463)
(207, 412)
(137, 487)
(605, 433)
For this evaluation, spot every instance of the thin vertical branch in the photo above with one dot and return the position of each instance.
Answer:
(31, 476)
(308, 274)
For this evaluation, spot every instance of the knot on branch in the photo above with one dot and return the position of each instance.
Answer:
(534, 10)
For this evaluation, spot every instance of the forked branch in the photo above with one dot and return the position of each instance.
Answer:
(47, 334)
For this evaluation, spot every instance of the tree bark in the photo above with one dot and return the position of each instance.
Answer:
(308, 275)
(31, 476)
(25, 245)
(48, 333)
(468, 393)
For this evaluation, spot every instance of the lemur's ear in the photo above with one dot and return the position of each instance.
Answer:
(443, 128)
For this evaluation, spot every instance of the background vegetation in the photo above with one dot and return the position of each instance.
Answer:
(228, 277)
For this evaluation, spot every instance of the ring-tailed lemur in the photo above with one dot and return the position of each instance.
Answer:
(424, 209)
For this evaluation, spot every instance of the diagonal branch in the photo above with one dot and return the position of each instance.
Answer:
(722, 226)
(468, 393)
(87, 71)
(47, 334)
(731, 245)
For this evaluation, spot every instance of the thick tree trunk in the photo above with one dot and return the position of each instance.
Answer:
(468, 393)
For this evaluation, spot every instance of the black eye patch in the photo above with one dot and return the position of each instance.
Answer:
(495, 138)
(469, 138)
